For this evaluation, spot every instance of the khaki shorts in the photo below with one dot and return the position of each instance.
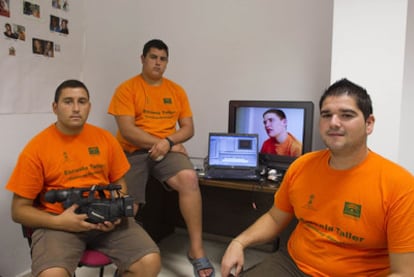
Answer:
(276, 264)
(142, 166)
(126, 244)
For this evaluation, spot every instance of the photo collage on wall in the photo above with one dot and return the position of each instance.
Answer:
(58, 24)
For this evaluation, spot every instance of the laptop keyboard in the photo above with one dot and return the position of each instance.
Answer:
(236, 174)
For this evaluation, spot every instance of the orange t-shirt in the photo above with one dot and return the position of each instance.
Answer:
(156, 109)
(52, 160)
(290, 147)
(349, 220)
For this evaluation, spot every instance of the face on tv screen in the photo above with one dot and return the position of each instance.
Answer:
(280, 130)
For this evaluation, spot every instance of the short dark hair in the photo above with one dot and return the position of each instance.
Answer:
(281, 114)
(69, 84)
(154, 43)
(344, 86)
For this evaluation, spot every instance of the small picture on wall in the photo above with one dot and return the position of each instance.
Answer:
(4, 8)
(56, 4)
(58, 25)
(48, 49)
(8, 31)
(12, 51)
(60, 4)
(31, 9)
(37, 46)
(15, 31)
(64, 29)
(20, 31)
(43, 47)
(65, 5)
(54, 23)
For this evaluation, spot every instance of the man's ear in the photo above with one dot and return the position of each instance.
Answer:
(369, 124)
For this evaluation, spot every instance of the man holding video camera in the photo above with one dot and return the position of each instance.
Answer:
(74, 156)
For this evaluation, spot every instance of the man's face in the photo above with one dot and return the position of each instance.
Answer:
(37, 44)
(72, 110)
(154, 63)
(342, 125)
(274, 126)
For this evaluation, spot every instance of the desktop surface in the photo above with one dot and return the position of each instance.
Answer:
(262, 185)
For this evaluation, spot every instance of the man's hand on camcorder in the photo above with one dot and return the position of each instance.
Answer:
(73, 222)
(108, 226)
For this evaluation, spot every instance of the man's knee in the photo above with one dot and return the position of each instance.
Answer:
(189, 175)
(149, 265)
(184, 179)
(54, 271)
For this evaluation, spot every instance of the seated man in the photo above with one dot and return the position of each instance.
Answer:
(74, 154)
(147, 109)
(355, 209)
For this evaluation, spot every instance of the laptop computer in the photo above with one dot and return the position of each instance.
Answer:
(232, 156)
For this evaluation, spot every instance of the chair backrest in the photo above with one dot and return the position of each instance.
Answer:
(90, 257)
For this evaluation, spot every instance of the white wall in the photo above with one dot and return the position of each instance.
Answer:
(218, 51)
(364, 37)
(406, 149)
(17, 130)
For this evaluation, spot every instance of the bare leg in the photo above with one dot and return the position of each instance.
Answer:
(149, 265)
(190, 203)
(54, 272)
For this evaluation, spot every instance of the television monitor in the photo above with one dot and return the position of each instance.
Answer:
(246, 116)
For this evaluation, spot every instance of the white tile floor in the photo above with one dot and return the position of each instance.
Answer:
(174, 261)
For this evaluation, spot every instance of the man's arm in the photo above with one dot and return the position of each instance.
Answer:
(266, 228)
(124, 189)
(158, 147)
(24, 213)
(401, 264)
(133, 134)
(185, 132)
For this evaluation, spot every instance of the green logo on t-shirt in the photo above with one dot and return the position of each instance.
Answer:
(93, 150)
(167, 101)
(352, 209)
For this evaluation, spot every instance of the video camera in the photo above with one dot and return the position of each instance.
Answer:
(97, 206)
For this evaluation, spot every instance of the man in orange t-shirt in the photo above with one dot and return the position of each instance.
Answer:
(354, 207)
(74, 154)
(147, 110)
(280, 141)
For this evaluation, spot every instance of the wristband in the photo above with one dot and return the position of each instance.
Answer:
(170, 142)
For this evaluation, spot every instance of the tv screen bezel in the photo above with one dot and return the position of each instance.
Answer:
(272, 160)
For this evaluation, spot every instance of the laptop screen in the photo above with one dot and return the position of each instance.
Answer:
(233, 150)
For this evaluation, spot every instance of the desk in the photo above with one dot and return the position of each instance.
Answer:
(229, 207)
(240, 185)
